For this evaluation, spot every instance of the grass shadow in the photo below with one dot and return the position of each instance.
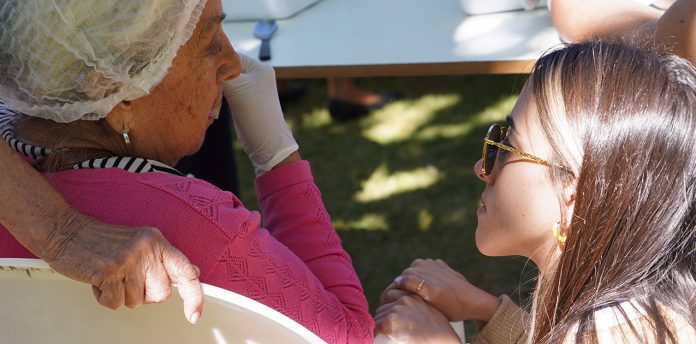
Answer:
(399, 183)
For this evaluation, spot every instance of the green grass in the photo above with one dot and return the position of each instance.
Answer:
(399, 183)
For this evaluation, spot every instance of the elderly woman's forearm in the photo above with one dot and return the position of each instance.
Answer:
(306, 230)
(295, 156)
(31, 208)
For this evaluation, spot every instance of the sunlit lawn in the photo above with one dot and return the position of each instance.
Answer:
(399, 183)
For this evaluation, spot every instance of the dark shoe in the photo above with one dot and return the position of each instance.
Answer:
(289, 92)
(342, 111)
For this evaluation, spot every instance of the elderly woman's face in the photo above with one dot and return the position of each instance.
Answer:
(171, 121)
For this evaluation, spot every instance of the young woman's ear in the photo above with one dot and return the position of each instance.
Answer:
(569, 194)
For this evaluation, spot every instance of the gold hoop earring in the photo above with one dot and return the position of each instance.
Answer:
(126, 138)
(557, 233)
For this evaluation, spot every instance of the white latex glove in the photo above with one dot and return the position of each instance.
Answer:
(258, 118)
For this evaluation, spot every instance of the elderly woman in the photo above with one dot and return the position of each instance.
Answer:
(105, 98)
(593, 179)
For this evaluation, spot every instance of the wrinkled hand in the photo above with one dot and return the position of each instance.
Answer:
(258, 118)
(410, 319)
(443, 288)
(126, 266)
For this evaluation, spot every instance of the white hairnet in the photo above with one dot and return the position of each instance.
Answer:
(66, 60)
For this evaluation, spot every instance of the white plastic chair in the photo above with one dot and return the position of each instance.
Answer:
(38, 305)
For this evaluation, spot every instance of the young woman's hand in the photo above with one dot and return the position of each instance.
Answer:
(410, 319)
(443, 288)
(258, 118)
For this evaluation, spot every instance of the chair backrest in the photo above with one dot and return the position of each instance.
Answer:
(38, 305)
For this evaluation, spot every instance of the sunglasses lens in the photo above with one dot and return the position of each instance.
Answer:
(494, 134)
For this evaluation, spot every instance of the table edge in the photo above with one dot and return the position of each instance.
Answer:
(406, 69)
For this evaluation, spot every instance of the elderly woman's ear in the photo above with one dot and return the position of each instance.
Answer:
(121, 117)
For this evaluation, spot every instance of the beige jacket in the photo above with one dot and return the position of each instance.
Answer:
(510, 321)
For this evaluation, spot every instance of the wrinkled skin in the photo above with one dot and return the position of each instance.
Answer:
(125, 266)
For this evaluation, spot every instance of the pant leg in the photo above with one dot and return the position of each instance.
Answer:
(215, 162)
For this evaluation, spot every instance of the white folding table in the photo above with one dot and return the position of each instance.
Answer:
(357, 38)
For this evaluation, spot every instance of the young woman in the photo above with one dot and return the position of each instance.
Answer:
(593, 179)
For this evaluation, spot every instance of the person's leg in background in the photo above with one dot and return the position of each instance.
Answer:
(348, 101)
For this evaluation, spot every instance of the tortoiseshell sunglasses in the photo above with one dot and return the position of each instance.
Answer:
(492, 145)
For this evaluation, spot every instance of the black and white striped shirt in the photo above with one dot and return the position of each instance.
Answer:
(130, 164)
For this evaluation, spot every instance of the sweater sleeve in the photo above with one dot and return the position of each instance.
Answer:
(507, 325)
(295, 215)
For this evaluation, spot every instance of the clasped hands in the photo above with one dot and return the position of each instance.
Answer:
(418, 306)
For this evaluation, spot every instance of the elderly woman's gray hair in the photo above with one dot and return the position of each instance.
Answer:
(66, 60)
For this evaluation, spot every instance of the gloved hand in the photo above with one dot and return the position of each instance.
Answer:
(258, 118)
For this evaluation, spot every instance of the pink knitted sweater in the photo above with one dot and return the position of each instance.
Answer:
(295, 264)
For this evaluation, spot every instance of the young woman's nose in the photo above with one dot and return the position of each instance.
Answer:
(478, 171)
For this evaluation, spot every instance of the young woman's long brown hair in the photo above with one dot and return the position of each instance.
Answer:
(624, 118)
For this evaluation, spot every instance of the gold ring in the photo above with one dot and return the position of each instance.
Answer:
(420, 285)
